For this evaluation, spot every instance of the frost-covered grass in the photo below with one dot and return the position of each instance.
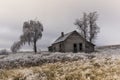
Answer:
(101, 65)
(94, 69)
(30, 59)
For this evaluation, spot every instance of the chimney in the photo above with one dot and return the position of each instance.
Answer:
(62, 34)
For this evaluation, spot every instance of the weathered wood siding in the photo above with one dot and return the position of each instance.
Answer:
(56, 47)
(89, 48)
(68, 44)
(73, 39)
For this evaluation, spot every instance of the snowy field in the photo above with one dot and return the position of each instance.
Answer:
(104, 64)
(32, 59)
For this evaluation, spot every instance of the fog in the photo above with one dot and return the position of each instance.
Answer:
(57, 16)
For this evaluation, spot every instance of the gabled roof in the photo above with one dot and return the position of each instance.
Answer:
(63, 38)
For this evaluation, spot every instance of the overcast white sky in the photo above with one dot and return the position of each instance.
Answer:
(57, 16)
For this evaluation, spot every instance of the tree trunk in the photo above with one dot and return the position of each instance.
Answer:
(35, 46)
(35, 41)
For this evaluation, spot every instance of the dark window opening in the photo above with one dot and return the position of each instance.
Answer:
(80, 46)
(54, 48)
(60, 47)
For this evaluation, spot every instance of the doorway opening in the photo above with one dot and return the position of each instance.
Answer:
(80, 46)
(75, 48)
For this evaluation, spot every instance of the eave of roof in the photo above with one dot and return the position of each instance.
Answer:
(62, 38)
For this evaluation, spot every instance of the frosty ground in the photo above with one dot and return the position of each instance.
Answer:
(104, 64)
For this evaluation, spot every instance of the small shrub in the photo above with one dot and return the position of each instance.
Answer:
(4, 52)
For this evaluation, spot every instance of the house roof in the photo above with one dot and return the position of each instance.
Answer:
(63, 38)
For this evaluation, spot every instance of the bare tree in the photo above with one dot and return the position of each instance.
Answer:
(87, 26)
(94, 29)
(32, 32)
(83, 25)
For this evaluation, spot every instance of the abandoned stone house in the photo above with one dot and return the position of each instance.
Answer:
(71, 42)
